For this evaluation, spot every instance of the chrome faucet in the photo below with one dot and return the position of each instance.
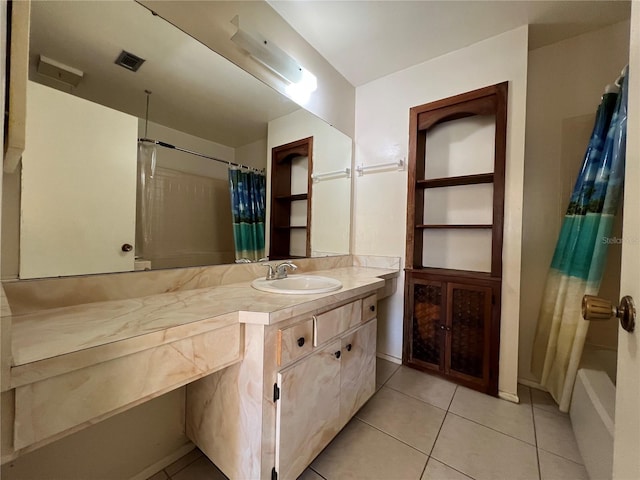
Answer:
(281, 270)
(271, 273)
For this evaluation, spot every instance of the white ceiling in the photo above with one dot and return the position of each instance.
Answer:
(365, 40)
(197, 91)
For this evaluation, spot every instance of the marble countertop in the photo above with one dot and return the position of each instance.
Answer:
(115, 328)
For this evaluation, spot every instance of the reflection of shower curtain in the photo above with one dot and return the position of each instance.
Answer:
(144, 192)
(578, 261)
(248, 198)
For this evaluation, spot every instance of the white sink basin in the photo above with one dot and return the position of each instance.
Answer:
(298, 284)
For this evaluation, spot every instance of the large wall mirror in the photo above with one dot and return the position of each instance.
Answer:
(80, 179)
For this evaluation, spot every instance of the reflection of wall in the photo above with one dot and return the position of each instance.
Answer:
(565, 82)
(191, 221)
(382, 126)
(331, 198)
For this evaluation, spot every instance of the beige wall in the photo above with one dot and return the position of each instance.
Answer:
(210, 22)
(331, 197)
(565, 83)
(191, 222)
(119, 447)
(382, 129)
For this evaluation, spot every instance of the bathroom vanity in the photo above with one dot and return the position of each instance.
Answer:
(271, 378)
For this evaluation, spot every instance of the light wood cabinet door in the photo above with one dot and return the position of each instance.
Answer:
(308, 410)
(358, 370)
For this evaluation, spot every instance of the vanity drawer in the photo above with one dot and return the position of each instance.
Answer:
(369, 307)
(329, 324)
(294, 341)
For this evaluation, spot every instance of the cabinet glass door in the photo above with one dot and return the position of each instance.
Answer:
(469, 327)
(427, 346)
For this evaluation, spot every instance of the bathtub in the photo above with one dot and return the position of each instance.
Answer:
(592, 411)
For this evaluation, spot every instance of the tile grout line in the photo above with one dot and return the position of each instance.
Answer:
(316, 472)
(391, 436)
(438, 434)
(494, 430)
(446, 412)
(535, 433)
(416, 398)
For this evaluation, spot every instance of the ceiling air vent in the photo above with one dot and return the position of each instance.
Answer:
(129, 61)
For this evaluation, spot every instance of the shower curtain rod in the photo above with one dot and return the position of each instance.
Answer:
(180, 149)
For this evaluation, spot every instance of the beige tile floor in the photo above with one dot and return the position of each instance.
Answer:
(421, 427)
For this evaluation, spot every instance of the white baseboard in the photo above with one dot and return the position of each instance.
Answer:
(165, 462)
(389, 358)
(532, 384)
(509, 397)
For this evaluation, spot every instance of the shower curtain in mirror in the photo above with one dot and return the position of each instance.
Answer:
(248, 198)
(579, 258)
(144, 192)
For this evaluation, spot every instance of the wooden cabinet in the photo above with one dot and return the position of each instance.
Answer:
(290, 222)
(299, 383)
(455, 323)
(357, 370)
(318, 394)
(455, 211)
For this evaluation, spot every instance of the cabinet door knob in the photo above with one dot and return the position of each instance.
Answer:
(127, 247)
(442, 327)
(337, 354)
(349, 347)
(301, 341)
(372, 308)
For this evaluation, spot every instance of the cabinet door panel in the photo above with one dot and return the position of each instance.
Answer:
(308, 410)
(469, 323)
(358, 373)
(428, 319)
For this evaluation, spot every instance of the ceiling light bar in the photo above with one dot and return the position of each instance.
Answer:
(267, 53)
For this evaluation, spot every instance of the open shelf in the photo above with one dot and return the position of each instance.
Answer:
(460, 226)
(455, 181)
(453, 278)
(292, 198)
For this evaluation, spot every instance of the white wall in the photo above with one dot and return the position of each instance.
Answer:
(382, 130)
(185, 162)
(331, 197)
(565, 83)
(253, 154)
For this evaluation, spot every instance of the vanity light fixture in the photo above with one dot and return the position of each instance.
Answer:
(301, 82)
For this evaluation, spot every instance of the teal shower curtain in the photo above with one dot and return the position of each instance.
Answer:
(248, 199)
(579, 258)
